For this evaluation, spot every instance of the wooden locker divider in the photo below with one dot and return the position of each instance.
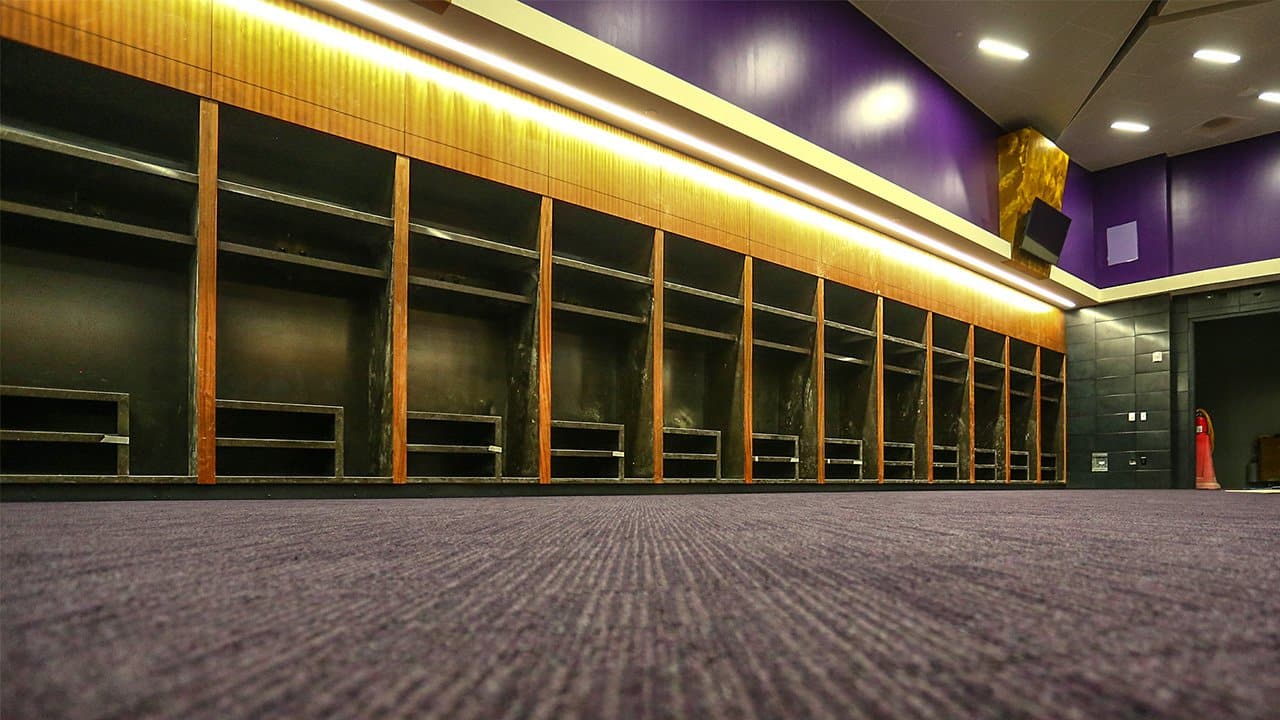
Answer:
(1008, 408)
(973, 433)
(747, 348)
(544, 341)
(1062, 423)
(657, 332)
(1035, 457)
(820, 375)
(880, 389)
(206, 298)
(928, 395)
(400, 322)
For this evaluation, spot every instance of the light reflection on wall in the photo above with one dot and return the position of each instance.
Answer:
(951, 185)
(632, 33)
(882, 107)
(763, 69)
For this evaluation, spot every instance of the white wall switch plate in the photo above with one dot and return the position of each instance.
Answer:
(1157, 356)
(1133, 416)
(1142, 415)
(1099, 462)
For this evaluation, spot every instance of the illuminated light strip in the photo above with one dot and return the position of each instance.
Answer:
(507, 101)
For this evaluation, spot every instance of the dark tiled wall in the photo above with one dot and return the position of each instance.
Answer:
(1111, 373)
(1185, 310)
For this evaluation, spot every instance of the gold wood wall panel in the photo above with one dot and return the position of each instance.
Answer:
(436, 153)
(164, 42)
(250, 62)
(317, 117)
(1031, 167)
(585, 173)
(687, 200)
(778, 238)
(278, 71)
(850, 263)
(445, 127)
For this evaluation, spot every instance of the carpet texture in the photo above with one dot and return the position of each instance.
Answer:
(1071, 604)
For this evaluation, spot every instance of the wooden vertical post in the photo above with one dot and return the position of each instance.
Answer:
(1008, 418)
(659, 276)
(880, 389)
(820, 374)
(1036, 428)
(1062, 424)
(748, 375)
(928, 395)
(206, 298)
(544, 342)
(400, 323)
(973, 473)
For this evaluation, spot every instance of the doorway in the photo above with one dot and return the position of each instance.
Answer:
(1235, 379)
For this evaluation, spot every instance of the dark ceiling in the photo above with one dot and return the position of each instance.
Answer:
(1093, 62)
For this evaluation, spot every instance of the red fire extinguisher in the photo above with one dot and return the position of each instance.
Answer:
(1206, 478)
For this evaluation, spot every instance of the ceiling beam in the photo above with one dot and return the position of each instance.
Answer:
(1153, 11)
(1203, 11)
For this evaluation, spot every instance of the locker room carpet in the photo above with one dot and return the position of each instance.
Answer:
(1070, 604)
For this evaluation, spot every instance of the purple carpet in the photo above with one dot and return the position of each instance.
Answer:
(1070, 604)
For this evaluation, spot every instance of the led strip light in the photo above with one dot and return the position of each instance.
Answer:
(338, 38)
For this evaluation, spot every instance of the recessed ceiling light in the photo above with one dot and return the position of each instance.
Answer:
(1002, 49)
(1130, 126)
(1271, 96)
(1222, 57)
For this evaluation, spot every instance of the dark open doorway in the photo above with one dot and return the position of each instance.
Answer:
(1236, 378)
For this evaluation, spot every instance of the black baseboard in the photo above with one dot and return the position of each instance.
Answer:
(54, 492)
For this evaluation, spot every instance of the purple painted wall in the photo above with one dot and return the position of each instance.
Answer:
(1077, 203)
(1202, 210)
(823, 71)
(1224, 204)
(1136, 191)
(827, 73)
